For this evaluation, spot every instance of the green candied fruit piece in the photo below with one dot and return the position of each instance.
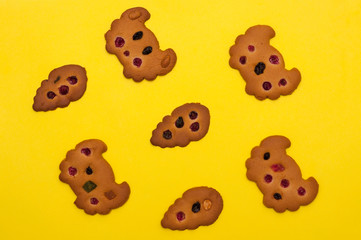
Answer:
(89, 186)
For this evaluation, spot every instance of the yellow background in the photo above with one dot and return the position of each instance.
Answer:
(321, 118)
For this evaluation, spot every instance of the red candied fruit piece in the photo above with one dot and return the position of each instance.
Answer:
(126, 53)
(243, 60)
(51, 95)
(251, 48)
(63, 90)
(180, 216)
(94, 201)
(285, 183)
(282, 82)
(85, 151)
(274, 59)
(194, 126)
(72, 171)
(119, 42)
(137, 62)
(193, 115)
(267, 86)
(72, 80)
(278, 167)
(301, 191)
(268, 178)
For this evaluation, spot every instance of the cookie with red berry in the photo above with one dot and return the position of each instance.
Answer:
(64, 85)
(92, 179)
(189, 122)
(199, 206)
(261, 65)
(279, 177)
(137, 48)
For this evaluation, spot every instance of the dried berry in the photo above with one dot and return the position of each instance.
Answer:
(137, 62)
(147, 50)
(282, 82)
(138, 35)
(194, 126)
(260, 67)
(285, 183)
(72, 80)
(251, 48)
(193, 115)
(274, 59)
(63, 90)
(167, 134)
(277, 196)
(301, 191)
(72, 171)
(119, 42)
(85, 151)
(243, 60)
(196, 207)
(51, 95)
(267, 86)
(266, 156)
(181, 216)
(268, 178)
(89, 171)
(179, 123)
(126, 53)
(94, 201)
(278, 167)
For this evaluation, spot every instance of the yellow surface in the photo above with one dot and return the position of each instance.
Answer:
(321, 118)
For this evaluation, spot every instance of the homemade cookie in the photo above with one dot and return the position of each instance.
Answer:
(64, 85)
(279, 177)
(92, 179)
(189, 122)
(137, 48)
(199, 206)
(261, 65)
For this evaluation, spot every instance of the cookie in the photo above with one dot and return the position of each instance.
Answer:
(279, 177)
(137, 48)
(189, 122)
(64, 85)
(199, 206)
(92, 179)
(261, 65)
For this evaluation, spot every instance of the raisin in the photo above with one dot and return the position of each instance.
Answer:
(193, 115)
(267, 86)
(138, 35)
(167, 134)
(282, 82)
(147, 50)
(260, 67)
(196, 207)
(243, 60)
(194, 126)
(277, 196)
(266, 156)
(51, 95)
(89, 171)
(179, 123)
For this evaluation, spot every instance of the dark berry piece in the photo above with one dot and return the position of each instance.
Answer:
(260, 67)
(274, 59)
(267, 86)
(282, 82)
(126, 53)
(85, 151)
(72, 171)
(119, 42)
(243, 60)
(266, 156)
(137, 62)
(196, 207)
(72, 80)
(94, 201)
(251, 48)
(301, 191)
(51, 95)
(179, 123)
(138, 35)
(194, 126)
(63, 90)
(193, 115)
(147, 50)
(268, 178)
(277, 196)
(89, 171)
(285, 183)
(167, 134)
(89, 186)
(180, 216)
(278, 167)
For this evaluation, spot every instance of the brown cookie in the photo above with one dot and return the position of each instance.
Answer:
(261, 65)
(92, 179)
(137, 48)
(278, 176)
(189, 122)
(64, 85)
(199, 206)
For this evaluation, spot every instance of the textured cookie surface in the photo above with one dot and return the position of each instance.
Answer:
(278, 176)
(189, 122)
(199, 206)
(64, 85)
(92, 179)
(137, 48)
(261, 65)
